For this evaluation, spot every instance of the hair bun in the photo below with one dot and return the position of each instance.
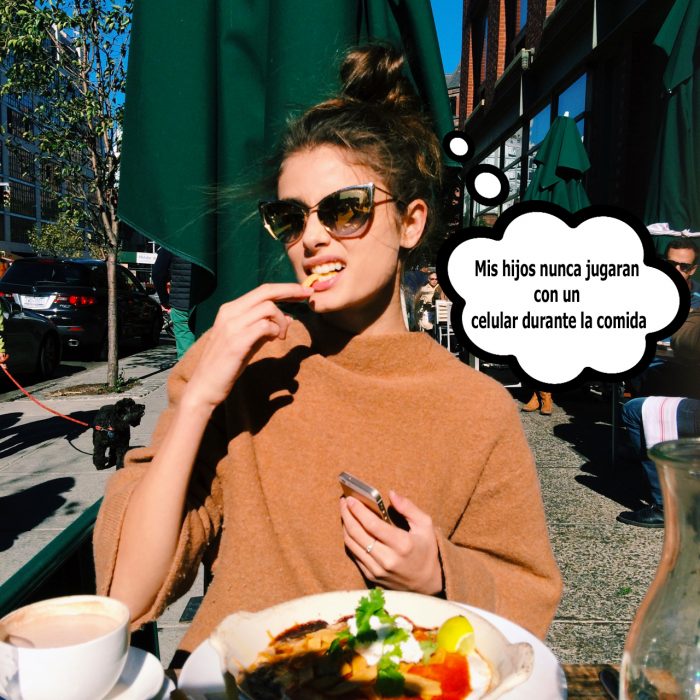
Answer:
(374, 73)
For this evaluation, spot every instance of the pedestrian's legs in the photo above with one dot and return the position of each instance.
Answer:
(688, 418)
(632, 418)
(184, 337)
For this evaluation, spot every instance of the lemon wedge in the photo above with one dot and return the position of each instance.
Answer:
(456, 634)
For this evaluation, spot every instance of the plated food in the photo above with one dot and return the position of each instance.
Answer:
(394, 644)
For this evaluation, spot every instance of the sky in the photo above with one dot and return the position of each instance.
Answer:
(448, 21)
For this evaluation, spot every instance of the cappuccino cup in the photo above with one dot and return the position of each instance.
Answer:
(73, 648)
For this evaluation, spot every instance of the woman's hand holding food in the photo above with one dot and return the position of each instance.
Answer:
(389, 556)
(158, 502)
(241, 327)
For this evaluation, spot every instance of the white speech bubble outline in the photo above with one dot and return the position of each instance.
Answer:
(559, 357)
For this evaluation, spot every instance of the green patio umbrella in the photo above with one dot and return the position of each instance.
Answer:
(561, 162)
(210, 85)
(674, 188)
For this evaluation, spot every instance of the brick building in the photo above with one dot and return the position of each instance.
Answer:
(526, 61)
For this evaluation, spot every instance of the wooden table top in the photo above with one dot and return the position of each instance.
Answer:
(581, 679)
(583, 682)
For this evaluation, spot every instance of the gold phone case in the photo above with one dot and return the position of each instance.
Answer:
(352, 486)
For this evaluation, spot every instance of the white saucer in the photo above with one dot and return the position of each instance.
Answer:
(141, 679)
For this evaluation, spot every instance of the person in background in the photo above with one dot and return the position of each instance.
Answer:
(646, 420)
(177, 299)
(424, 302)
(412, 280)
(677, 373)
(683, 255)
(541, 400)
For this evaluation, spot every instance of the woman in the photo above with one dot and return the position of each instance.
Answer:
(424, 302)
(266, 411)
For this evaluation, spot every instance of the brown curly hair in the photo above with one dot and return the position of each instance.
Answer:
(378, 118)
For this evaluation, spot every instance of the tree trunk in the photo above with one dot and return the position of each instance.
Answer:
(112, 345)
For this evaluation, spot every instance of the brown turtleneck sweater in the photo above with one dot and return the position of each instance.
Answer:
(398, 411)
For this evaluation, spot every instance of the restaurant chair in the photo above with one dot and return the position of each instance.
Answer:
(443, 325)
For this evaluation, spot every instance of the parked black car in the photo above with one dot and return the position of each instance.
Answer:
(31, 341)
(73, 294)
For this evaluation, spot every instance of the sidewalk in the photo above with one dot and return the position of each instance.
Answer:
(47, 480)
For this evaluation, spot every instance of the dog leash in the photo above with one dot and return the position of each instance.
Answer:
(108, 429)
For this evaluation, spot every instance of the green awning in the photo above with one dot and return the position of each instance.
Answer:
(210, 86)
(674, 188)
(561, 162)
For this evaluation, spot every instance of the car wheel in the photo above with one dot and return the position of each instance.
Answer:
(49, 356)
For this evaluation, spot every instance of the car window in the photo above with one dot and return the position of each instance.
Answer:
(98, 277)
(126, 282)
(36, 271)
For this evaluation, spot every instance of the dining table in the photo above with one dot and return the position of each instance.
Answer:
(582, 681)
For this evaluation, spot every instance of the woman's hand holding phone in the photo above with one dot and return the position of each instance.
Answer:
(241, 327)
(389, 556)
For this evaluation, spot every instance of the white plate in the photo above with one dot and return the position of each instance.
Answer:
(141, 679)
(547, 681)
(201, 679)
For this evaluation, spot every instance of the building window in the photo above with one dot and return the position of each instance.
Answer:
(17, 123)
(453, 105)
(49, 205)
(23, 199)
(21, 164)
(522, 13)
(539, 126)
(571, 102)
(512, 164)
(20, 229)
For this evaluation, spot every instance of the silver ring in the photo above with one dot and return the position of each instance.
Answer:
(370, 546)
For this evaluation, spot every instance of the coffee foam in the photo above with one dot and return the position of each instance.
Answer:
(27, 622)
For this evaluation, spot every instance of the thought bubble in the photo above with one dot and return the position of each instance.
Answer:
(562, 297)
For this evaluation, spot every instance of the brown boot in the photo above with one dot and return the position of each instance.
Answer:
(532, 405)
(546, 409)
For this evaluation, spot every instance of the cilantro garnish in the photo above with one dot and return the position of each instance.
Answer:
(390, 682)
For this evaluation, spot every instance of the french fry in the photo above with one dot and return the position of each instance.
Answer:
(310, 280)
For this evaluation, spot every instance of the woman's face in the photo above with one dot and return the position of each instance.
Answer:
(364, 294)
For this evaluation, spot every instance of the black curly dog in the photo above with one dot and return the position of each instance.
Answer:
(116, 420)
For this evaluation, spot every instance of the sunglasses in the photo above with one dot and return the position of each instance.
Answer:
(683, 267)
(342, 213)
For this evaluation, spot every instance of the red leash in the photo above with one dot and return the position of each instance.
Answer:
(45, 407)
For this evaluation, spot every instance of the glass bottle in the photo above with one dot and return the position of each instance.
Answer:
(661, 660)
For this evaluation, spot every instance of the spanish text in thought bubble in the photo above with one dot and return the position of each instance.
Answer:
(562, 297)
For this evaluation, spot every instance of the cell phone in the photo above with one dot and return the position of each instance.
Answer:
(352, 486)
(363, 492)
